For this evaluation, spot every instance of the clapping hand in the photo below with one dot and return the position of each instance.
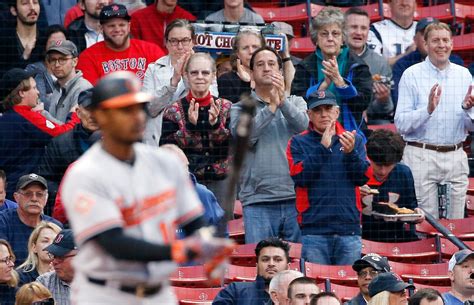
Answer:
(331, 71)
(328, 134)
(214, 111)
(468, 99)
(434, 98)
(241, 72)
(347, 140)
(193, 112)
(178, 68)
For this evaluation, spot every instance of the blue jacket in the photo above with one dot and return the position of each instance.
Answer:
(8, 204)
(326, 180)
(243, 293)
(357, 300)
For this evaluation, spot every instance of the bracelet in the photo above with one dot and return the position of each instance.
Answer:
(286, 59)
(462, 106)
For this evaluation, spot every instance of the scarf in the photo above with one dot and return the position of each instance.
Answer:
(202, 101)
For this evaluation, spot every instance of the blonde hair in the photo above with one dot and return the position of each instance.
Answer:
(436, 26)
(32, 260)
(14, 98)
(381, 298)
(13, 282)
(31, 291)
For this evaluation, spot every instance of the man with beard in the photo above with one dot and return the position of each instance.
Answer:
(17, 224)
(272, 257)
(118, 52)
(25, 40)
(85, 31)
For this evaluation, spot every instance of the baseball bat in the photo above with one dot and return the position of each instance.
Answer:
(446, 233)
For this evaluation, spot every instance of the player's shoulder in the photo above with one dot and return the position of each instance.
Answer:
(86, 165)
(158, 155)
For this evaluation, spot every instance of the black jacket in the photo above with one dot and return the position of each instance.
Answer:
(361, 79)
(76, 31)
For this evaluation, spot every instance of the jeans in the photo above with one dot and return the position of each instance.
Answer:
(331, 249)
(275, 219)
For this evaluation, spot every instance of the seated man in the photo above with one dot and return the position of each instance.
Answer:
(461, 274)
(272, 257)
(279, 286)
(387, 175)
(301, 290)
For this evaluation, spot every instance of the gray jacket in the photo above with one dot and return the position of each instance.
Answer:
(265, 174)
(61, 103)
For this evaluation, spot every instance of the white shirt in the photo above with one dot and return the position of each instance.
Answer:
(448, 124)
(394, 39)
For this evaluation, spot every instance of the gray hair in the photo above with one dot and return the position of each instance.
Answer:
(283, 275)
(201, 55)
(327, 16)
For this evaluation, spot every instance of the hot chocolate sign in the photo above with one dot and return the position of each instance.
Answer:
(222, 42)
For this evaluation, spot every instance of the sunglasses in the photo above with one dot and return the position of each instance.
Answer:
(49, 301)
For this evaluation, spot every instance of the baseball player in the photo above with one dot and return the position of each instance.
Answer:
(124, 200)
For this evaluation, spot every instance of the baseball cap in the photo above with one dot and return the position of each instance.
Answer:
(85, 98)
(459, 257)
(62, 244)
(113, 11)
(423, 23)
(284, 28)
(373, 260)
(26, 180)
(318, 98)
(12, 78)
(65, 47)
(117, 90)
(388, 281)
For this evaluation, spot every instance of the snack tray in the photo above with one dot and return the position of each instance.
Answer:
(398, 217)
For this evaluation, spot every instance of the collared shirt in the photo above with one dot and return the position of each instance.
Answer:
(92, 37)
(450, 299)
(59, 288)
(448, 123)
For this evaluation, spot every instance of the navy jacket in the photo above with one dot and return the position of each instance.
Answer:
(357, 300)
(243, 293)
(326, 182)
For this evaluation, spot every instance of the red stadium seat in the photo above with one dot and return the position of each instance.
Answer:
(448, 248)
(343, 275)
(238, 212)
(390, 127)
(244, 255)
(463, 43)
(470, 188)
(345, 293)
(470, 204)
(235, 273)
(441, 12)
(422, 251)
(461, 228)
(196, 295)
(236, 230)
(302, 47)
(193, 277)
(427, 274)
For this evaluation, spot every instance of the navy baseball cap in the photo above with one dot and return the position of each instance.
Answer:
(85, 98)
(113, 11)
(423, 23)
(388, 281)
(12, 78)
(318, 98)
(26, 180)
(459, 257)
(63, 243)
(373, 260)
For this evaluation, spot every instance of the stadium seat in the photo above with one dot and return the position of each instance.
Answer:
(422, 251)
(448, 248)
(465, 16)
(343, 275)
(441, 12)
(192, 277)
(390, 127)
(302, 47)
(345, 293)
(238, 212)
(235, 273)
(196, 296)
(244, 255)
(470, 204)
(236, 230)
(427, 274)
(461, 228)
(470, 187)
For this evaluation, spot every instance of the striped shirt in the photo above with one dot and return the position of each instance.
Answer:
(59, 288)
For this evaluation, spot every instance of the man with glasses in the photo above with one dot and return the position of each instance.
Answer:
(61, 251)
(62, 60)
(118, 52)
(367, 268)
(16, 225)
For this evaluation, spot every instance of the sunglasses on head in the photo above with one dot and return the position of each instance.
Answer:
(49, 301)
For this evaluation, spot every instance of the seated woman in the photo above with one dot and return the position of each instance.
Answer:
(8, 275)
(34, 293)
(38, 261)
(199, 125)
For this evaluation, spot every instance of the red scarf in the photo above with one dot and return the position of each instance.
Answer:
(202, 101)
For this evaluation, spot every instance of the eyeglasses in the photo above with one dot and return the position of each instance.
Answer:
(184, 42)
(372, 273)
(8, 259)
(195, 73)
(39, 195)
(49, 301)
(60, 258)
(334, 34)
(61, 60)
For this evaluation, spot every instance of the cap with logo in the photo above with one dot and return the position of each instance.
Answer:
(320, 97)
(113, 11)
(373, 260)
(12, 78)
(388, 281)
(423, 23)
(26, 180)
(63, 243)
(459, 257)
(65, 47)
(117, 90)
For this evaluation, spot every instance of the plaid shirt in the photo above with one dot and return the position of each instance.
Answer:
(58, 288)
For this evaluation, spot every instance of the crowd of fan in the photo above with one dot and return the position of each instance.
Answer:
(311, 156)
